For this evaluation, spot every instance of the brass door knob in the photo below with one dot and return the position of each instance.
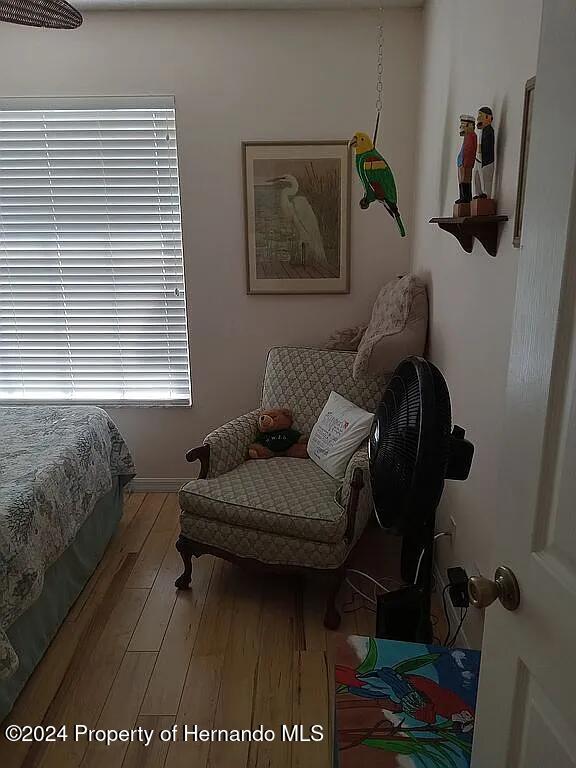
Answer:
(483, 592)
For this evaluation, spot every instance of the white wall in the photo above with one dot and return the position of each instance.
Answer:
(240, 76)
(476, 53)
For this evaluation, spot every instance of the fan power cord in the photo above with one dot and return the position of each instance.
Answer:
(374, 581)
(436, 536)
(446, 616)
(451, 642)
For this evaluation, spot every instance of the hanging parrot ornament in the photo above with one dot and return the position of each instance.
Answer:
(376, 177)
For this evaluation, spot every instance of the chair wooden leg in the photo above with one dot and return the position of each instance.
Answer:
(186, 552)
(332, 616)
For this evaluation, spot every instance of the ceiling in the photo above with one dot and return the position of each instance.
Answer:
(119, 5)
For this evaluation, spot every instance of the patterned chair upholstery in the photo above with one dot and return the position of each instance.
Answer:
(282, 513)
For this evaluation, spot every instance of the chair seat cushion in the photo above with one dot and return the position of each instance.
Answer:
(287, 497)
(263, 546)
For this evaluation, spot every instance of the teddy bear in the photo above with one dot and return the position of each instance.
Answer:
(276, 437)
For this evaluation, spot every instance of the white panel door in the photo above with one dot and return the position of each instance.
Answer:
(527, 701)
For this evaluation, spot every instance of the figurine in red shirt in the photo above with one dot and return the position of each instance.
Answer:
(466, 158)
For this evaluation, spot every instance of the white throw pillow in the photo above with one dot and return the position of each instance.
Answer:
(340, 429)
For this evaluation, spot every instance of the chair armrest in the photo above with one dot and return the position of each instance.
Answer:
(356, 494)
(226, 447)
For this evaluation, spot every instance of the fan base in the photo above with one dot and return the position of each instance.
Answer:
(404, 615)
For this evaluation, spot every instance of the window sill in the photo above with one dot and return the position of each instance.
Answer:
(104, 405)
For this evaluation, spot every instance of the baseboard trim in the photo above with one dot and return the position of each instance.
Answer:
(140, 484)
(461, 639)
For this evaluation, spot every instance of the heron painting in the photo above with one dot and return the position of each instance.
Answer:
(297, 203)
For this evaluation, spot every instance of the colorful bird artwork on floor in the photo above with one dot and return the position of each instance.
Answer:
(376, 177)
(414, 695)
(413, 703)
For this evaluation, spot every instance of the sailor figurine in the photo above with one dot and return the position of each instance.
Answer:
(484, 165)
(465, 162)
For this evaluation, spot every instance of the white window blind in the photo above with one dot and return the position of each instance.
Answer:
(92, 302)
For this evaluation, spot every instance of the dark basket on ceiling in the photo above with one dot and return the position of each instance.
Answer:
(57, 14)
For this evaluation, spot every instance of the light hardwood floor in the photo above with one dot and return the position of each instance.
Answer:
(235, 651)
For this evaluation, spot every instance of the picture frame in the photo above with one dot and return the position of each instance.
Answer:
(529, 90)
(297, 216)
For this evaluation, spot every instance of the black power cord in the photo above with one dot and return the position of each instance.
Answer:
(463, 613)
(446, 616)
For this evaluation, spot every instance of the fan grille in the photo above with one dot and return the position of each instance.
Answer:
(57, 14)
(409, 445)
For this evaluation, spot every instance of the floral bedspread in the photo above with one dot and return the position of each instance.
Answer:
(55, 464)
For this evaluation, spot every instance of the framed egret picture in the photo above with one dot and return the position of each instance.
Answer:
(297, 201)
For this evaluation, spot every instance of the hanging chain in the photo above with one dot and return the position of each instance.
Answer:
(379, 68)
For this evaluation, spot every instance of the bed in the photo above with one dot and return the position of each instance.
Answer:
(62, 471)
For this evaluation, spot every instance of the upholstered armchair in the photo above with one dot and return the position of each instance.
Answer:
(281, 513)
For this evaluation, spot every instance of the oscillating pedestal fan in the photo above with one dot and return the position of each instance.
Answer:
(412, 450)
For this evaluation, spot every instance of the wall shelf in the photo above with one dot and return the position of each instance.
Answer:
(466, 228)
